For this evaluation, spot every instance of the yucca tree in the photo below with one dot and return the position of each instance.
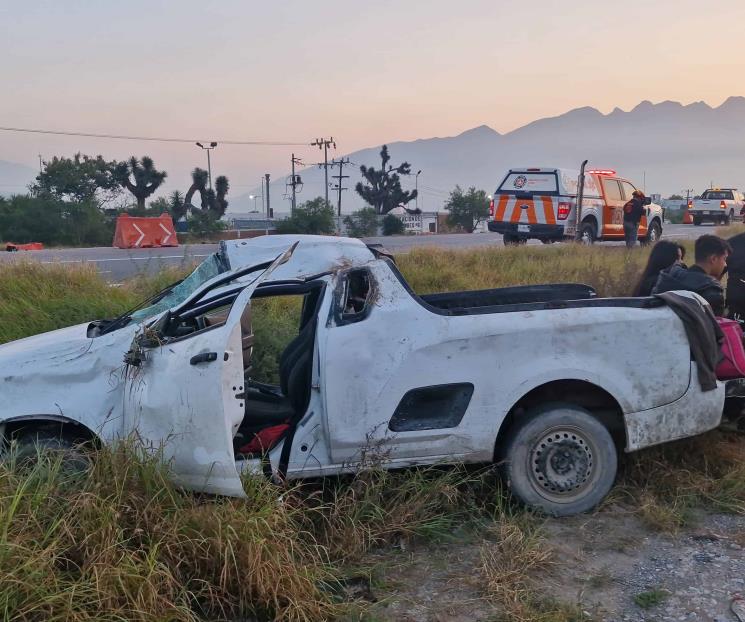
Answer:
(199, 179)
(219, 203)
(140, 177)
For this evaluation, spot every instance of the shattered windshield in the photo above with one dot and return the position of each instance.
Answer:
(208, 269)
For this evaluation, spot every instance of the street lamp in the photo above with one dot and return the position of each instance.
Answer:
(254, 197)
(209, 164)
(416, 187)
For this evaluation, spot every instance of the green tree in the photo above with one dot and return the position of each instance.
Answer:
(467, 209)
(204, 221)
(173, 205)
(53, 221)
(80, 178)
(140, 177)
(312, 217)
(675, 197)
(362, 224)
(393, 225)
(383, 188)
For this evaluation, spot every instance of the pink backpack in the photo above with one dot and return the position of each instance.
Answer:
(732, 364)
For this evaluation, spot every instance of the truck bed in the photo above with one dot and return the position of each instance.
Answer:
(522, 294)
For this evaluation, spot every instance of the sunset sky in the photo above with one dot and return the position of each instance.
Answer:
(363, 73)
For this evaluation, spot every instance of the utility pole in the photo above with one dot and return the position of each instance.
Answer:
(295, 181)
(338, 186)
(268, 207)
(40, 165)
(325, 143)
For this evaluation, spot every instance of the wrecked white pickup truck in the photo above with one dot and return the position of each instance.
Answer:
(549, 381)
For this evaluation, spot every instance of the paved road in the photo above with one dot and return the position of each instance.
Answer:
(116, 264)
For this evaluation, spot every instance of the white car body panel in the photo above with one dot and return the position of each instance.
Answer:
(361, 371)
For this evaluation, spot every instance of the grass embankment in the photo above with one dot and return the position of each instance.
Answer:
(123, 544)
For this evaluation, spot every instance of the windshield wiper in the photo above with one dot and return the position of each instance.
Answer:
(124, 318)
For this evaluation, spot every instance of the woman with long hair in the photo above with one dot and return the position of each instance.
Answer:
(664, 254)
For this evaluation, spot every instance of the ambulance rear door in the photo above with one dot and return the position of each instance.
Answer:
(528, 197)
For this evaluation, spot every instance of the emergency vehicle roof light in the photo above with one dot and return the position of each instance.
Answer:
(598, 171)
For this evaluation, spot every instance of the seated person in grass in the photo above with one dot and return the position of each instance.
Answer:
(704, 276)
(664, 255)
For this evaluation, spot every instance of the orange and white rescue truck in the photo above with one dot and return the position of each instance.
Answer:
(541, 203)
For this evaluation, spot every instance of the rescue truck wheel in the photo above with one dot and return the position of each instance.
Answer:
(653, 234)
(588, 235)
(696, 221)
(508, 239)
(559, 459)
(728, 218)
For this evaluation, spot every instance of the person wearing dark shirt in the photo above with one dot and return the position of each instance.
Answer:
(632, 215)
(736, 278)
(664, 254)
(703, 277)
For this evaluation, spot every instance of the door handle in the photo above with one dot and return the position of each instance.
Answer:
(204, 357)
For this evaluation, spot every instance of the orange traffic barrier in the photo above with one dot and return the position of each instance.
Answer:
(142, 232)
(687, 218)
(31, 246)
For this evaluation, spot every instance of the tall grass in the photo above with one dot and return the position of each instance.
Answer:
(123, 544)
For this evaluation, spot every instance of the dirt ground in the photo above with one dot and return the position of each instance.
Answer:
(610, 564)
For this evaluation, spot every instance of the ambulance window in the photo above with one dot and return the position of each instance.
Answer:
(529, 182)
(627, 189)
(612, 190)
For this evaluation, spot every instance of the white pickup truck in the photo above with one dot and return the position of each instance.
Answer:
(720, 205)
(548, 381)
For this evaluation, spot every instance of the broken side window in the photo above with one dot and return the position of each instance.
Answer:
(356, 295)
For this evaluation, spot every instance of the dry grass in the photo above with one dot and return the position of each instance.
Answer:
(123, 544)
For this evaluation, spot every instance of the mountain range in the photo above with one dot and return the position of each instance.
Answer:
(665, 147)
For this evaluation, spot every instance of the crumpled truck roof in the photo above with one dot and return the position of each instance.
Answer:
(314, 254)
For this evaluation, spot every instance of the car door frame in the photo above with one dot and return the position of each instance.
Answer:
(171, 406)
(612, 226)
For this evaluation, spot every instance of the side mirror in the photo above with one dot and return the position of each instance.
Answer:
(647, 200)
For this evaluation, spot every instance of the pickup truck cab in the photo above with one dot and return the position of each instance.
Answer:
(372, 372)
(718, 205)
(541, 204)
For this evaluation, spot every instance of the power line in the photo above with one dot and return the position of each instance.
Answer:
(263, 143)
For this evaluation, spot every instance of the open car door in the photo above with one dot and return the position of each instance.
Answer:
(185, 381)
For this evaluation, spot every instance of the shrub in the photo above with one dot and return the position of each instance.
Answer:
(312, 217)
(362, 224)
(392, 225)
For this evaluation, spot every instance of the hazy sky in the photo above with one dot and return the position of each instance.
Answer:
(364, 73)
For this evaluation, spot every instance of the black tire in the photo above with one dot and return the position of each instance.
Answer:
(588, 233)
(509, 239)
(546, 241)
(728, 219)
(697, 222)
(28, 446)
(654, 232)
(559, 459)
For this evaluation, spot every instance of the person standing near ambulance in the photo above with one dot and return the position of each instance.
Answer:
(632, 215)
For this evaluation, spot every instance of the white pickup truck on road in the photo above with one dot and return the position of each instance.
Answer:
(720, 205)
(548, 381)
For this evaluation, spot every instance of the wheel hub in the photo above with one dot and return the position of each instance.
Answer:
(561, 462)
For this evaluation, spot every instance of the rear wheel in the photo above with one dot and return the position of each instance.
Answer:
(728, 218)
(588, 233)
(653, 234)
(696, 221)
(510, 239)
(560, 460)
